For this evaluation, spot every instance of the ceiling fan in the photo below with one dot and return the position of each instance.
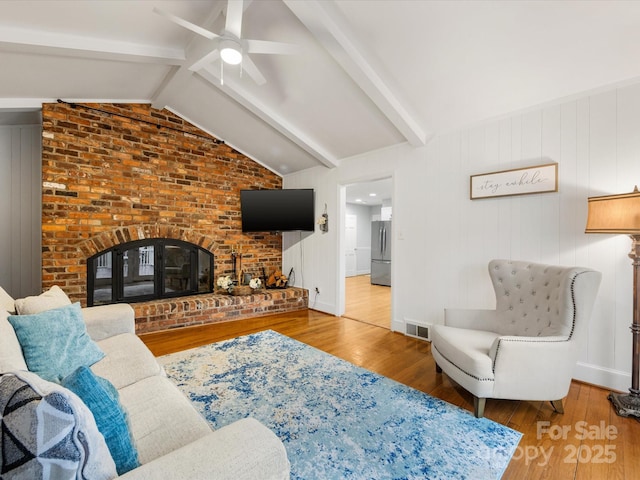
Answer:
(231, 48)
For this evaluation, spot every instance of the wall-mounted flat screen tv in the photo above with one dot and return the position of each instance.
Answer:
(277, 210)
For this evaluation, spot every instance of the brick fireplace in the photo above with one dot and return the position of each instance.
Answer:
(116, 173)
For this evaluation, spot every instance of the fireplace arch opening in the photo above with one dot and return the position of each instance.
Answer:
(149, 269)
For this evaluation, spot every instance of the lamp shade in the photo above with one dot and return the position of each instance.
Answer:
(614, 214)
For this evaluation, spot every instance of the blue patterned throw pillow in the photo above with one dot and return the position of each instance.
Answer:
(102, 398)
(55, 342)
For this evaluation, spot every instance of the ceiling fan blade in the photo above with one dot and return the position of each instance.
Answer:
(264, 46)
(206, 60)
(233, 23)
(186, 24)
(251, 69)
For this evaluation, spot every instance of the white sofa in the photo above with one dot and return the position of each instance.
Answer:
(173, 440)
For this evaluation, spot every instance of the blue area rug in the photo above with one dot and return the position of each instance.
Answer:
(336, 420)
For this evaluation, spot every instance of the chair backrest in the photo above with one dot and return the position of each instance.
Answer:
(536, 300)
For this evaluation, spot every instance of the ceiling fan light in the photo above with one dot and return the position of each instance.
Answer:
(230, 52)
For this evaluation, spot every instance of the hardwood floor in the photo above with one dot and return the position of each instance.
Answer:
(367, 303)
(588, 442)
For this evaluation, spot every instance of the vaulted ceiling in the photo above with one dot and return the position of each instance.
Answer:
(368, 74)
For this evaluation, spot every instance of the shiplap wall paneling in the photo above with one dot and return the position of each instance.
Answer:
(31, 202)
(583, 179)
(20, 243)
(5, 209)
(505, 161)
(628, 175)
(602, 250)
(532, 225)
(492, 161)
(462, 203)
(480, 229)
(516, 202)
(452, 184)
(427, 225)
(550, 202)
(570, 198)
(577, 116)
(416, 231)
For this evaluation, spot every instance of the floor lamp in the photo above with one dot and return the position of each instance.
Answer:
(620, 214)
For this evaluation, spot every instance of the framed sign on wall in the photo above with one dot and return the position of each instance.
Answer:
(517, 181)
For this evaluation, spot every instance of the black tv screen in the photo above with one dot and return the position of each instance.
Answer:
(277, 210)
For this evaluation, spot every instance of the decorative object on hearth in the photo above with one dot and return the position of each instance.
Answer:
(255, 283)
(238, 290)
(247, 288)
(233, 261)
(620, 214)
(225, 283)
(236, 256)
(277, 280)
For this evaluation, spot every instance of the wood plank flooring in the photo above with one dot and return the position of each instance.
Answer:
(588, 442)
(367, 303)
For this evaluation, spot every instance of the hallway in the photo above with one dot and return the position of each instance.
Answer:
(367, 303)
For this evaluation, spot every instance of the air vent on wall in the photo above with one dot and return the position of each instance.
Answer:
(422, 332)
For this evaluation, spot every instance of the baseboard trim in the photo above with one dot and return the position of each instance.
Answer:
(321, 306)
(602, 377)
(397, 326)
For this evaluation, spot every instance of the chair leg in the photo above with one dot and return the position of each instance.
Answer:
(438, 369)
(478, 406)
(557, 405)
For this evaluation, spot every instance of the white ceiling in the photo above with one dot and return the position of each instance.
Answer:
(370, 193)
(371, 73)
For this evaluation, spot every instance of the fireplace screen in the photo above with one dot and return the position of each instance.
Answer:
(147, 269)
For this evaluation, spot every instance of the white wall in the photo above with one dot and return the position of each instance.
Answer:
(317, 257)
(363, 215)
(443, 240)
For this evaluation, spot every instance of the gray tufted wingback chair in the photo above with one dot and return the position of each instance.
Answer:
(527, 348)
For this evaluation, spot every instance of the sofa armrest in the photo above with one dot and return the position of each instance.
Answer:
(522, 365)
(471, 319)
(244, 450)
(105, 321)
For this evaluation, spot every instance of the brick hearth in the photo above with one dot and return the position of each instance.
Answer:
(114, 173)
(213, 308)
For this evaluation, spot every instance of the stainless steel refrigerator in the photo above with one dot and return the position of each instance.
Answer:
(381, 253)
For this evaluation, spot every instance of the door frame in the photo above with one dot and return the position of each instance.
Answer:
(341, 271)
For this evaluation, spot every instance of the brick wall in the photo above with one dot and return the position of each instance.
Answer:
(104, 174)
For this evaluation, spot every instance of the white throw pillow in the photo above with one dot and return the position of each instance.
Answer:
(52, 298)
(6, 301)
(11, 357)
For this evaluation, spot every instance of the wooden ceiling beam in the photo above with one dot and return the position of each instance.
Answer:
(47, 43)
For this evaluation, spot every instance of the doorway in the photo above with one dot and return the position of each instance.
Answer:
(365, 203)
(367, 303)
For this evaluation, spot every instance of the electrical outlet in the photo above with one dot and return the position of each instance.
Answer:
(317, 291)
